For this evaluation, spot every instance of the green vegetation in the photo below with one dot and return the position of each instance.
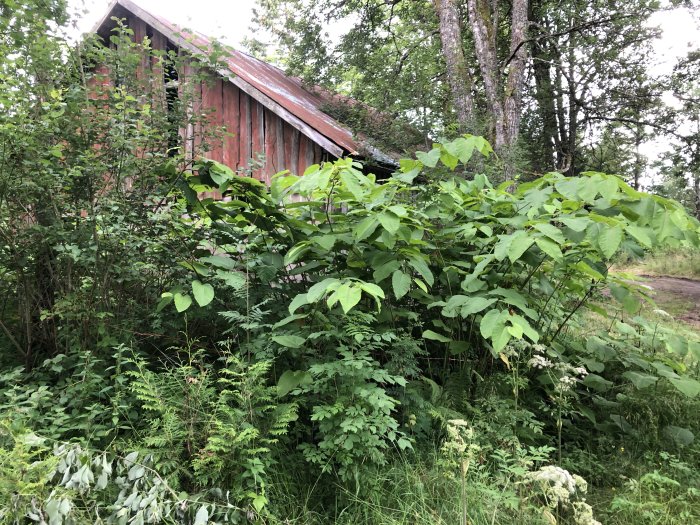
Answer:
(674, 263)
(429, 348)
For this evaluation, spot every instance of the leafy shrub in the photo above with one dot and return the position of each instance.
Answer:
(466, 270)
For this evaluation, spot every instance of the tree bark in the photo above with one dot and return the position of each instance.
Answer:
(481, 25)
(458, 76)
(516, 73)
(503, 89)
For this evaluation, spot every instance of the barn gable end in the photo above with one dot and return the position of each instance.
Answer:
(267, 114)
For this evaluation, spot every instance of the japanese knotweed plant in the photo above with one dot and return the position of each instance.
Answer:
(465, 268)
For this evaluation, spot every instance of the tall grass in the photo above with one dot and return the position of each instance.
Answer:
(674, 263)
(413, 490)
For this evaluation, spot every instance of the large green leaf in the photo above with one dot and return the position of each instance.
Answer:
(202, 516)
(680, 436)
(429, 159)
(422, 268)
(519, 245)
(597, 382)
(365, 228)
(318, 290)
(550, 231)
(578, 224)
(489, 322)
(462, 148)
(182, 302)
(686, 385)
(401, 283)
(348, 295)
(354, 183)
(640, 381)
(227, 263)
(568, 188)
(292, 379)
(290, 341)
(550, 248)
(502, 247)
(298, 301)
(609, 240)
(296, 252)
(640, 234)
(434, 336)
(385, 270)
(389, 221)
(203, 293)
(474, 305)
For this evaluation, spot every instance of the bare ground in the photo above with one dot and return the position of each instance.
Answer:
(684, 294)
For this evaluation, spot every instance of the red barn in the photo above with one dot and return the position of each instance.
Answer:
(264, 111)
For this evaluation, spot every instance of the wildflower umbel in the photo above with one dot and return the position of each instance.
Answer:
(562, 489)
(538, 361)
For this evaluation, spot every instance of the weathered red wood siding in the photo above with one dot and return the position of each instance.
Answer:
(255, 141)
(256, 137)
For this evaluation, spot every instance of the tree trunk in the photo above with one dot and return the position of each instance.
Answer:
(503, 95)
(546, 99)
(638, 163)
(516, 73)
(458, 76)
(481, 25)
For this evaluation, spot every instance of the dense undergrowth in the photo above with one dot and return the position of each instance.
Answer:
(332, 349)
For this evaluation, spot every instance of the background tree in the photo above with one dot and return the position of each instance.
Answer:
(680, 167)
(590, 65)
(549, 76)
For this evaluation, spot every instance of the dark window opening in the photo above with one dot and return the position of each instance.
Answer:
(171, 80)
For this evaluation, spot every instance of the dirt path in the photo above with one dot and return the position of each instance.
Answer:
(675, 289)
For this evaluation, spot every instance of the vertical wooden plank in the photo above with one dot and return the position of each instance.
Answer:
(271, 146)
(310, 148)
(279, 144)
(304, 147)
(231, 100)
(254, 130)
(190, 93)
(158, 41)
(138, 26)
(197, 114)
(294, 159)
(212, 109)
(186, 131)
(157, 81)
(316, 154)
(245, 131)
(257, 115)
(287, 134)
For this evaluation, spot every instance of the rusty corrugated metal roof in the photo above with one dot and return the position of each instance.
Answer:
(284, 90)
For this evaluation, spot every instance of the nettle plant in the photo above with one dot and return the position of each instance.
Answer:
(462, 267)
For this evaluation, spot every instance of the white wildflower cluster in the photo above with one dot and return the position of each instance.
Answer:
(583, 514)
(538, 361)
(539, 349)
(566, 383)
(562, 489)
(557, 483)
(459, 437)
(570, 376)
